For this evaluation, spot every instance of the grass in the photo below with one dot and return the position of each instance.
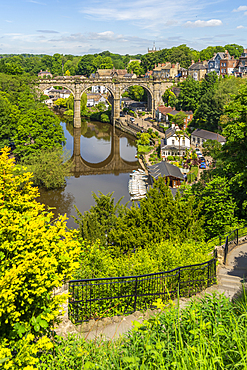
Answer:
(210, 334)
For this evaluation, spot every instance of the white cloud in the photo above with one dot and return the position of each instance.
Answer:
(199, 23)
(152, 14)
(241, 8)
(240, 27)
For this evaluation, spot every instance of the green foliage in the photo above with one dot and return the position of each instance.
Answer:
(49, 168)
(208, 334)
(190, 94)
(106, 63)
(135, 67)
(25, 123)
(36, 256)
(137, 93)
(97, 223)
(145, 138)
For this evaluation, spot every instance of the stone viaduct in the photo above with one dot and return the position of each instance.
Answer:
(112, 164)
(116, 86)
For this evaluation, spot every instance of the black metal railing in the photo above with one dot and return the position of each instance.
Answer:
(102, 297)
(234, 239)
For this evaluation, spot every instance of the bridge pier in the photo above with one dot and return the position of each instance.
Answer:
(77, 106)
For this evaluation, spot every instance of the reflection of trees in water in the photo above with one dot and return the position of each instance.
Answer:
(102, 131)
(59, 198)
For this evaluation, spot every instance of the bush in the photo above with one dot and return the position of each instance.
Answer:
(37, 255)
(49, 168)
(170, 158)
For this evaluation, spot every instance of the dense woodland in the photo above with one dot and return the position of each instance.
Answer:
(59, 64)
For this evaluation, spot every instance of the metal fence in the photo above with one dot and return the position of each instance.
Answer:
(235, 238)
(103, 297)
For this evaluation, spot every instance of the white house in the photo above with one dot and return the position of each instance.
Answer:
(99, 89)
(174, 143)
(94, 99)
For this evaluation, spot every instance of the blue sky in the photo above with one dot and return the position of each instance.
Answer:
(130, 26)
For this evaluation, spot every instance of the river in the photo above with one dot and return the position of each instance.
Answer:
(103, 157)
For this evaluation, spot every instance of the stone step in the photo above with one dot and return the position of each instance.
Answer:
(237, 279)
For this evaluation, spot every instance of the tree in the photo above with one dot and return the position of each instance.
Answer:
(56, 65)
(178, 119)
(49, 167)
(145, 138)
(97, 223)
(36, 257)
(36, 130)
(218, 207)
(234, 50)
(86, 66)
(106, 63)
(211, 148)
(135, 67)
(137, 93)
(160, 217)
(189, 94)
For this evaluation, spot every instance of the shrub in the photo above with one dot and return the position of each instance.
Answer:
(170, 158)
(36, 257)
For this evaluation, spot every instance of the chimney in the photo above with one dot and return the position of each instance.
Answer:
(199, 60)
(173, 65)
(155, 65)
(192, 62)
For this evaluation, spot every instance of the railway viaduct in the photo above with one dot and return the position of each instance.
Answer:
(116, 86)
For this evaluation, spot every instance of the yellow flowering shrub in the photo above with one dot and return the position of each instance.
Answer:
(36, 256)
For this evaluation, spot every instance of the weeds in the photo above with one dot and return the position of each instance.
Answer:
(210, 334)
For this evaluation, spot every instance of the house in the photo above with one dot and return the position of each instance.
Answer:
(199, 136)
(99, 89)
(171, 173)
(174, 143)
(64, 93)
(148, 74)
(161, 113)
(119, 73)
(166, 70)
(241, 66)
(102, 73)
(198, 70)
(94, 99)
(44, 74)
(214, 62)
(187, 119)
(227, 64)
(109, 73)
(182, 72)
(130, 75)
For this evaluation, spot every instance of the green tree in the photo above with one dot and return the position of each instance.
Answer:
(160, 217)
(49, 167)
(56, 65)
(97, 223)
(234, 50)
(86, 66)
(189, 94)
(106, 63)
(137, 93)
(135, 67)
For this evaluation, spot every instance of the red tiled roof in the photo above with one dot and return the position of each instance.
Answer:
(163, 109)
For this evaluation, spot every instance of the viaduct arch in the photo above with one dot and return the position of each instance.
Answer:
(116, 86)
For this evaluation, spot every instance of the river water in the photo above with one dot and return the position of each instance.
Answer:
(103, 157)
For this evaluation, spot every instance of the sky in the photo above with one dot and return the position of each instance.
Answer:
(123, 27)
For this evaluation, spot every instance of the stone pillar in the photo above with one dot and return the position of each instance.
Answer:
(156, 97)
(116, 110)
(77, 107)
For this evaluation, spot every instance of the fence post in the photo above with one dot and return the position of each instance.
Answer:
(135, 294)
(208, 275)
(226, 250)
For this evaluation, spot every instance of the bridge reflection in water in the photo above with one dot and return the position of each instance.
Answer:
(112, 164)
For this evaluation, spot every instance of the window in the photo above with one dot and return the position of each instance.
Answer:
(194, 139)
(198, 140)
(222, 70)
(173, 142)
(183, 142)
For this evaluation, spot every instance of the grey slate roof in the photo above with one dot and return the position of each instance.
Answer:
(165, 169)
(171, 131)
(197, 66)
(208, 135)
